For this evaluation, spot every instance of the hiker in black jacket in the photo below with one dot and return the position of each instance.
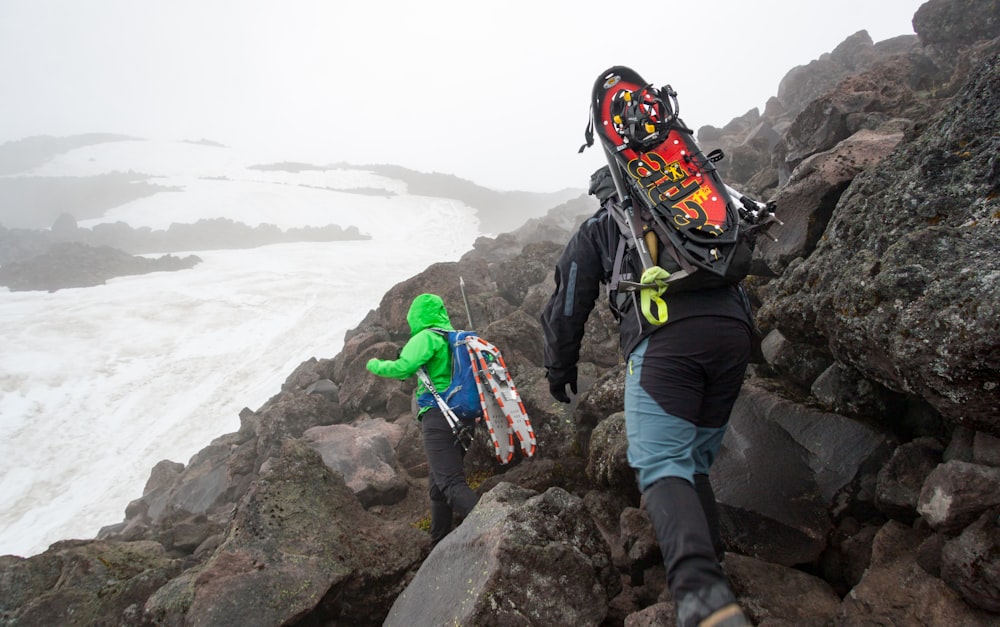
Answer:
(681, 381)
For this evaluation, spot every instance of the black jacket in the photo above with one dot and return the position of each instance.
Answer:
(586, 264)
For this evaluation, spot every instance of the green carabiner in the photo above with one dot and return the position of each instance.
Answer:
(650, 296)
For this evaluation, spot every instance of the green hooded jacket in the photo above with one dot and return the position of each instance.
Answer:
(424, 348)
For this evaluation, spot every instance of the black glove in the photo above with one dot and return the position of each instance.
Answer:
(558, 380)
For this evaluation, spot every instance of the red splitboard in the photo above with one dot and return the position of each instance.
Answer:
(672, 176)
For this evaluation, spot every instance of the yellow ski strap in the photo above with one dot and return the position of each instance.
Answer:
(652, 295)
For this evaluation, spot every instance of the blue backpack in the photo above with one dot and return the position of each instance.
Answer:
(462, 394)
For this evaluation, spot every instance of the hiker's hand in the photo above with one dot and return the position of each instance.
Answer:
(558, 380)
(371, 365)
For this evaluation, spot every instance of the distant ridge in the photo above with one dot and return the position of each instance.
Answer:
(34, 202)
(498, 211)
(24, 154)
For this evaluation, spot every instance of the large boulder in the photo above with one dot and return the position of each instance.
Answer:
(289, 414)
(780, 470)
(203, 481)
(364, 454)
(515, 276)
(901, 479)
(365, 393)
(969, 562)
(862, 101)
(805, 83)
(806, 202)
(801, 364)
(769, 592)
(903, 288)
(956, 493)
(299, 544)
(895, 590)
(607, 462)
(946, 27)
(82, 582)
(518, 558)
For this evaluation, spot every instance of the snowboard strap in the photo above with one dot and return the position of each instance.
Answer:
(588, 133)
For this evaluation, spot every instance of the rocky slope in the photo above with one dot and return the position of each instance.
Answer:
(859, 482)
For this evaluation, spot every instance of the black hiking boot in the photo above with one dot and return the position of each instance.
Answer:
(708, 504)
(728, 616)
(694, 575)
(714, 606)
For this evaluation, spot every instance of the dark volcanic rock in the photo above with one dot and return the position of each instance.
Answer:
(292, 549)
(365, 455)
(903, 288)
(768, 591)
(880, 598)
(780, 471)
(816, 185)
(956, 493)
(969, 562)
(947, 26)
(83, 582)
(875, 397)
(903, 476)
(519, 558)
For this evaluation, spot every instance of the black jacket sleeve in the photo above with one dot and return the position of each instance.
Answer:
(579, 273)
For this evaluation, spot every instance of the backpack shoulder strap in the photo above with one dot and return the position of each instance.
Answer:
(616, 268)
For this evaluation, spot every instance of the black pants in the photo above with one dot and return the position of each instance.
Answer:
(450, 493)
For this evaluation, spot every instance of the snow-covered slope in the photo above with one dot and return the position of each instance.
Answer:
(99, 384)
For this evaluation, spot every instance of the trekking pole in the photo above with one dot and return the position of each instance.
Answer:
(650, 287)
(449, 415)
(468, 312)
(748, 203)
(759, 214)
(627, 213)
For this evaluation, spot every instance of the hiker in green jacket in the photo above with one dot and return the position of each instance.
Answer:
(449, 491)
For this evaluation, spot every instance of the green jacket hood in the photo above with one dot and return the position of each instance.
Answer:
(427, 310)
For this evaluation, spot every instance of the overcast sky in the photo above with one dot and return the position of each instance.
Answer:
(496, 92)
